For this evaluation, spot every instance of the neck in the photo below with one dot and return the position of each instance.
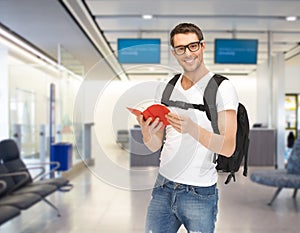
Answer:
(190, 78)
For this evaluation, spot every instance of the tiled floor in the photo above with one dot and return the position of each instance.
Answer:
(94, 206)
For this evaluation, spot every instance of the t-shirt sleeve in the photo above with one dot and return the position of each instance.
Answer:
(159, 91)
(227, 98)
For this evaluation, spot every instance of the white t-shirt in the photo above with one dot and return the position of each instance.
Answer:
(183, 159)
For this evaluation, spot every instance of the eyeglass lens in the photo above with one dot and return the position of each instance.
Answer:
(193, 47)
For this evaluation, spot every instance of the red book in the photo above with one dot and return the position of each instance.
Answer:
(153, 111)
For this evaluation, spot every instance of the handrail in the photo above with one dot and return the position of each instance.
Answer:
(43, 174)
(10, 174)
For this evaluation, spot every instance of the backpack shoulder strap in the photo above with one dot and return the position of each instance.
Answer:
(168, 90)
(179, 104)
(210, 96)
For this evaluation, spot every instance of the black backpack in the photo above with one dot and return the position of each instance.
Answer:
(224, 164)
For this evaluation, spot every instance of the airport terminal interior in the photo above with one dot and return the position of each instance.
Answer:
(69, 71)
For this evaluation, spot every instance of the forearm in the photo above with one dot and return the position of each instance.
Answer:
(222, 143)
(215, 142)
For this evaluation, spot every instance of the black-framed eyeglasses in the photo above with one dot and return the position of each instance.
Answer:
(193, 47)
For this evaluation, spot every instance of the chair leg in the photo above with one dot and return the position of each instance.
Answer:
(52, 205)
(66, 188)
(275, 195)
(295, 193)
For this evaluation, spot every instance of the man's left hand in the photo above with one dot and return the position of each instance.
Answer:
(181, 123)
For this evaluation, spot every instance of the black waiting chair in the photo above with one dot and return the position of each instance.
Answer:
(123, 138)
(7, 196)
(10, 157)
(7, 212)
(20, 194)
(10, 154)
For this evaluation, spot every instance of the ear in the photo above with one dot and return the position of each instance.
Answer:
(172, 51)
(203, 45)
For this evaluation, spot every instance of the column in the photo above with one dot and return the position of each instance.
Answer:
(4, 93)
(278, 106)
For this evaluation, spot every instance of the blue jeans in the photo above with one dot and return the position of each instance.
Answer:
(174, 204)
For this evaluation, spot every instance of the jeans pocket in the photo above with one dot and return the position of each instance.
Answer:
(208, 193)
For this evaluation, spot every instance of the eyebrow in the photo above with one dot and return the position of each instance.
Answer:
(187, 44)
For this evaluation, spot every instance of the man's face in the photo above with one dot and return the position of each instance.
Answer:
(190, 61)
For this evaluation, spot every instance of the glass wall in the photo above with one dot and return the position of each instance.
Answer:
(292, 109)
(29, 111)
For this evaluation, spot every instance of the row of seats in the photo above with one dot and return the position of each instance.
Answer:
(18, 189)
(282, 178)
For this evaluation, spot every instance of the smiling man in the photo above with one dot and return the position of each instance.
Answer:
(185, 191)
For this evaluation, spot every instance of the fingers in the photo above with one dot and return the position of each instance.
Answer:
(139, 119)
(153, 126)
(142, 122)
(159, 125)
(181, 123)
(174, 119)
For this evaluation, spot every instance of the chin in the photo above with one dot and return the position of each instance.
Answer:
(190, 69)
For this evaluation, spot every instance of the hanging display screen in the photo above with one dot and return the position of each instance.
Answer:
(136, 51)
(236, 51)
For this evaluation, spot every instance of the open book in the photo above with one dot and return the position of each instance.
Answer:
(153, 111)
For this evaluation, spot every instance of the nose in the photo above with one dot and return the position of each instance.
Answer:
(187, 52)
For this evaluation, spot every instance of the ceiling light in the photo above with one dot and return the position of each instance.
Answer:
(291, 18)
(147, 16)
(19, 45)
(25, 46)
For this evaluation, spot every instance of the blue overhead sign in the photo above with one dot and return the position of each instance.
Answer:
(137, 51)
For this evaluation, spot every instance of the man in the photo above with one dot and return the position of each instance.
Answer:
(185, 191)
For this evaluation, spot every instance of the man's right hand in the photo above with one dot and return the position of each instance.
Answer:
(152, 132)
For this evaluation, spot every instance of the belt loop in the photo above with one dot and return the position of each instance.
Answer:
(163, 182)
(187, 188)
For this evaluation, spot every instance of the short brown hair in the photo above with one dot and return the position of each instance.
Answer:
(184, 28)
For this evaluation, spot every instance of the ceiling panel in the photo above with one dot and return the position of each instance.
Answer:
(218, 19)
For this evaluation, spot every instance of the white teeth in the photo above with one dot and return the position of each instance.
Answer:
(189, 61)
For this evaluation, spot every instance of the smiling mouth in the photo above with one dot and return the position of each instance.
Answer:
(189, 60)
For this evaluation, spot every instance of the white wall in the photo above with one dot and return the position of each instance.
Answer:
(246, 88)
(105, 103)
(292, 75)
(292, 79)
